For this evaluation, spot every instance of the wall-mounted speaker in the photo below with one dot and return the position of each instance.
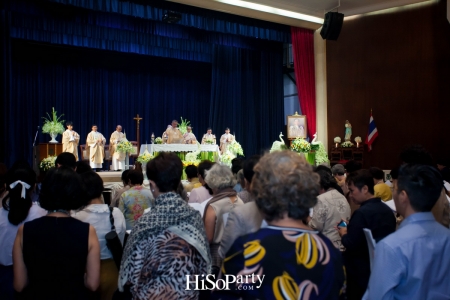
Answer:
(332, 26)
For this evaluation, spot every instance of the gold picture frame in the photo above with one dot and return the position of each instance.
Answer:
(296, 126)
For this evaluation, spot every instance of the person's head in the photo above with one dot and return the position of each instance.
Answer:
(219, 177)
(209, 130)
(94, 127)
(20, 185)
(189, 129)
(66, 159)
(202, 168)
(352, 166)
(360, 185)
(82, 167)
(327, 181)
(63, 189)
(296, 122)
(323, 168)
(236, 165)
(227, 130)
(377, 174)
(93, 183)
(124, 177)
(135, 178)
(174, 123)
(416, 154)
(191, 172)
(69, 125)
(284, 186)
(240, 178)
(248, 171)
(417, 190)
(119, 128)
(164, 173)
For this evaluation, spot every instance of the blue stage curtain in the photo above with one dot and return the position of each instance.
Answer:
(247, 96)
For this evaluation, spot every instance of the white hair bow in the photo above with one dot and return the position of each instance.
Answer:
(25, 187)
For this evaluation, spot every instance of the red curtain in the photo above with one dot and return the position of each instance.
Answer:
(303, 50)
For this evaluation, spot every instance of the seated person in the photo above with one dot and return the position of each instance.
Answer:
(382, 190)
(189, 137)
(191, 173)
(200, 194)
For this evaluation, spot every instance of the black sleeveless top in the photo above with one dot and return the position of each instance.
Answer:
(55, 252)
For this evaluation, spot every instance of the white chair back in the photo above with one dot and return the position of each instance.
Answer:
(370, 244)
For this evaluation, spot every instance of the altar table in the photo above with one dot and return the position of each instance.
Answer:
(208, 152)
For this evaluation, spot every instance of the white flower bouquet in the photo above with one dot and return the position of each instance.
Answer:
(53, 124)
(358, 139)
(235, 148)
(300, 145)
(144, 158)
(209, 141)
(337, 139)
(347, 144)
(125, 146)
(227, 158)
(47, 163)
(158, 140)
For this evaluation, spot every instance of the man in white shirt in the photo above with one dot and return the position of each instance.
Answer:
(70, 140)
(225, 140)
(96, 148)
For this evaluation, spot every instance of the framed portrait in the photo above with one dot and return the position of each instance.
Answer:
(296, 126)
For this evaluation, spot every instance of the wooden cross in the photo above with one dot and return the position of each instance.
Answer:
(138, 119)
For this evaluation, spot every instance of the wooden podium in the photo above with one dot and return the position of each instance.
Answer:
(44, 150)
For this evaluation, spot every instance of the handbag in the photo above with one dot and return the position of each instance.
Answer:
(113, 242)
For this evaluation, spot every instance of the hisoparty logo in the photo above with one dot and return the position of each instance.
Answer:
(209, 282)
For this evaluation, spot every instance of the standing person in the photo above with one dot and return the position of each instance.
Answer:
(220, 179)
(330, 209)
(372, 214)
(226, 139)
(57, 256)
(17, 208)
(70, 140)
(118, 160)
(189, 137)
(137, 199)
(209, 137)
(200, 194)
(97, 214)
(297, 262)
(96, 148)
(167, 244)
(420, 245)
(173, 134)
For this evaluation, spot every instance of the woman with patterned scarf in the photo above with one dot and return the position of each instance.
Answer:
(220, 179)
(167, 243)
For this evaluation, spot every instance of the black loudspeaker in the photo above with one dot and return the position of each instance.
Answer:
(332, 26)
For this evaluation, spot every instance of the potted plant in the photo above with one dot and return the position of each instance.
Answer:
(53, 125)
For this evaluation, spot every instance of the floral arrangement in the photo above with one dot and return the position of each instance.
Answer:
(144, 158)
(53, 124)
(158, 140)
(194, 155)
(300, 145)
(47, 163)
(189, 163)
(235, 148)
(227, 158)
(347, 144)
(337, 139)
(125, 146)
(321, 154)
(183, 125)
(209, 141)
(358, 139)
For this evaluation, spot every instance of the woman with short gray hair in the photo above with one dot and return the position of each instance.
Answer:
(220, 179)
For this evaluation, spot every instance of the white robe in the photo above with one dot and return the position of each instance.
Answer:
(96, 151)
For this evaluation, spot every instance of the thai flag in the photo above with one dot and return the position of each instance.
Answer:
(372, 133)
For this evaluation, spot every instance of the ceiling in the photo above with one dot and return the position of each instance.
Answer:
(318, 8)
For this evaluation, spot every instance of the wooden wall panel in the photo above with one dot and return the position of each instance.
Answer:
(398, 65)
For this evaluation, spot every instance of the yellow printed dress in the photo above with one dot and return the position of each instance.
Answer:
(295, 263)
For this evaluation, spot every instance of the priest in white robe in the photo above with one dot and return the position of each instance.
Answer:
(189, 137)
(173, 134)
(225, 140)
(118, 159)
(209, 136)
(70, 140)
(95, 144)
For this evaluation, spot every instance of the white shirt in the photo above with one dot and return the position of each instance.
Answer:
(98, 216)
(8, 231)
